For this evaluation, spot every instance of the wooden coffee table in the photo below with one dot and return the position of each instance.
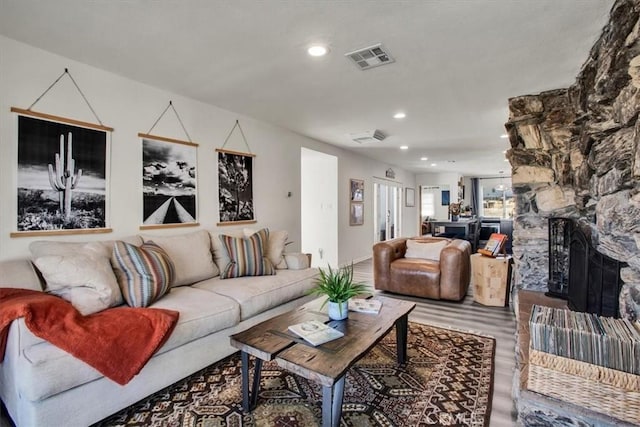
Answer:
(326, 364)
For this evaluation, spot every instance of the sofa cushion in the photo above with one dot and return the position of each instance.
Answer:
(191, 256)
(258, 294)
(416, 276)
(144, 273)
(52, 370)
(425, 250)
(201, 313)
(104, 248)
(246, 255)
(85, 278)
(274, 249)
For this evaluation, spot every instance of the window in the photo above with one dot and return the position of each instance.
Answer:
(428, 207)
(496, 198)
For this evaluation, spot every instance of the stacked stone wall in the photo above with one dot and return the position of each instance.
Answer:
(575, 153)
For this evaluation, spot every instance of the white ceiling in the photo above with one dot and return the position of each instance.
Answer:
(456, 63)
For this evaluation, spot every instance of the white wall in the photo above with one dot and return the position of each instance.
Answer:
(131, 107)
(320, 207)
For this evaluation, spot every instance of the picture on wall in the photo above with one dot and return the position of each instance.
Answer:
(445, 198)
(168, 182)
(357, 190)
(235, 187)
(356, 216)
(62, 176)
(409, 197)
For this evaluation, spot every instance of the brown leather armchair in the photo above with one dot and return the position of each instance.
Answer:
(445, 279)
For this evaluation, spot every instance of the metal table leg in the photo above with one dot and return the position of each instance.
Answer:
(401, 338)
(332, 403)
(250, 397)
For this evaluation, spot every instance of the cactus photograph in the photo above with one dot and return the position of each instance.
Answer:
(61, 176)
(168, 182)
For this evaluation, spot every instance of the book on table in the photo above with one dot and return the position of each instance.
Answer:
(362, 305)
(315, 332)
(494, 245)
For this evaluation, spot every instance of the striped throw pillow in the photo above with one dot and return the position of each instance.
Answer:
(144, 273)
(247, 256)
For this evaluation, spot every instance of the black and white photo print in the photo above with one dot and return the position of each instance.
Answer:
(169, 182)
(62, 176)
(235, 182)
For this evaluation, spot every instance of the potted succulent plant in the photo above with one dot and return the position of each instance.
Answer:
(338, 286)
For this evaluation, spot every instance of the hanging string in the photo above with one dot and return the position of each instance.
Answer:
(237, 124)
(177, 116)
(66, 72)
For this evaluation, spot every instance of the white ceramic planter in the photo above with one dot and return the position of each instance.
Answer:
(338, 310)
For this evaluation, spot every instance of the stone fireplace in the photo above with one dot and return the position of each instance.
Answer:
(575, 153)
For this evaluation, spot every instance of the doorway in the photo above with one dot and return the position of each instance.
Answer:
(319, 201)
(387, 213)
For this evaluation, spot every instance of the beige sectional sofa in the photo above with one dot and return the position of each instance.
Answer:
(42, 385)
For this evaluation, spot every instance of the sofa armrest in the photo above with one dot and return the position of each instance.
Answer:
(455, 270)
(384, 253)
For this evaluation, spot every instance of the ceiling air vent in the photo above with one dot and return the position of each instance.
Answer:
(369, 136)
(369, 57)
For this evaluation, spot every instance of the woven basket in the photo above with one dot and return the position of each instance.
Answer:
(608, 391)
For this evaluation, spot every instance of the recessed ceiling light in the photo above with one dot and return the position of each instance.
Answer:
(504, 136)
(506, 160)
(399, 115)
(424, 158)
(404, 147)
(317, 50)
(433, 164)
(504, 152)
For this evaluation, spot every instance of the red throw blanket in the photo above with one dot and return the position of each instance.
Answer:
(117, 342)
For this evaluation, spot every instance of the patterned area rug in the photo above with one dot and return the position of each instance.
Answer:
(447, 381)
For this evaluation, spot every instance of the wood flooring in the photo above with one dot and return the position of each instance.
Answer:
(470, 316)
(466, 316)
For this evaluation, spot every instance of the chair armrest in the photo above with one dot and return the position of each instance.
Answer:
(455, 270)
(384, 253)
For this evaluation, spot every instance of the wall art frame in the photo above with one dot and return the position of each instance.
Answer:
(63, 175)
(356, 213)
(409, 197)
(445, 196)
(356, 190)
(169, 182)
(235, 187)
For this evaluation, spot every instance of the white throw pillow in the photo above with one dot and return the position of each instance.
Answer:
(296, 260)
(85, 280)
(190, 254)
(275, 246)
(425, 250)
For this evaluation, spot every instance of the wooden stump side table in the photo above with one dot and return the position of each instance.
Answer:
(491, 280)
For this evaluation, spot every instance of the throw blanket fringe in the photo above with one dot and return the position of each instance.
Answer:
(117, 342)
